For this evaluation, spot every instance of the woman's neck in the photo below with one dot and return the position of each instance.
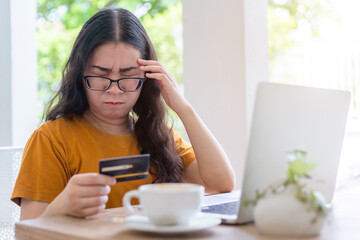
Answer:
(119, 126)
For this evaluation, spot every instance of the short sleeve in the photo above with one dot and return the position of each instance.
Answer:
(43, 173)
(184, 149)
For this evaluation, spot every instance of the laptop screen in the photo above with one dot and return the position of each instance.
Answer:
(288, 117)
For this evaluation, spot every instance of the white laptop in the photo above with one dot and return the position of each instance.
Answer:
(285, 118)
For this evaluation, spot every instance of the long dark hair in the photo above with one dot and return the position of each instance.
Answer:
(152, 133)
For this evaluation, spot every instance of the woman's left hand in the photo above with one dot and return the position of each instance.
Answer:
(167, 82)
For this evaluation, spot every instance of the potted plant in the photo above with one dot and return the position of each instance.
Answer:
(288, 207)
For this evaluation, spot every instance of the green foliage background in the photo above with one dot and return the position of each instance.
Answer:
(284, 17)
(59, 21)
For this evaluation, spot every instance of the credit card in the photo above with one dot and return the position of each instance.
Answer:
(126, 168)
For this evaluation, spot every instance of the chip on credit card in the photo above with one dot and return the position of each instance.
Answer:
(126, 168)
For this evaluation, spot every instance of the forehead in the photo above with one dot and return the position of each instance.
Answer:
(110, 54)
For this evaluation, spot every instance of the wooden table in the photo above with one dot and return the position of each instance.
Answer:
(342, 224)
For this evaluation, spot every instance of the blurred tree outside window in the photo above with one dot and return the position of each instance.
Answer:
(317, 43)
(59, 22)
(310, 41)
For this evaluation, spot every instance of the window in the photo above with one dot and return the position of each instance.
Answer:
(317, 43)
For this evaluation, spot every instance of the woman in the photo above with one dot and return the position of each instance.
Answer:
(109, 105)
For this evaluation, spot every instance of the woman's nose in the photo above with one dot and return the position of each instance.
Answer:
(114, 88)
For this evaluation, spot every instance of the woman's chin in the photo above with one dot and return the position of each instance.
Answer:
(116, 116)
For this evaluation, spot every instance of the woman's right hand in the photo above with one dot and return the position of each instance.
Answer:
(84, 195)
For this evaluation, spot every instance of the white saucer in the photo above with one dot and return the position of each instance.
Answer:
(200, 222)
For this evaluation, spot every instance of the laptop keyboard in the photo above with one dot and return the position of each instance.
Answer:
(228, 208)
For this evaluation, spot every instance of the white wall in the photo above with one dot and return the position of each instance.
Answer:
(225, 56)
(18, 65)
(5, 70)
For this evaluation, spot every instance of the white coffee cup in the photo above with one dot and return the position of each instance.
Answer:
(166, 203)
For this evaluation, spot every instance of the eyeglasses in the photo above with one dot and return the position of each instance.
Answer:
(98, 83)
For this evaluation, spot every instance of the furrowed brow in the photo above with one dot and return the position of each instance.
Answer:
(127, 69)
(104, 69)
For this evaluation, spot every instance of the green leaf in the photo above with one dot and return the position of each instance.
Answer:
(299, 168)
(290, 176)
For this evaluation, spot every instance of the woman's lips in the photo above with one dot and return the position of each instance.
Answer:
(113, 103)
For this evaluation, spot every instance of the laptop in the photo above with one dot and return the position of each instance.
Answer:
(285, 118)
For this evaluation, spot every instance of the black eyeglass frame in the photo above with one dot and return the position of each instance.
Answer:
(142, 80)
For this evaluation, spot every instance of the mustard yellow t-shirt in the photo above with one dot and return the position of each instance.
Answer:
(62, 148)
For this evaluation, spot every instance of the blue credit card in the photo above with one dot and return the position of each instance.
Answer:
(126, 168)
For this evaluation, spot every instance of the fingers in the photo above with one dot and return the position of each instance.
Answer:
(168, 85)
(94, 201)
(90, 211)
(88, 179)
(87, 206)
(158, 76)
(87, 211)
(155, 70)
(90, 191)
(152, 68)
(148, 62)
(86, 194)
